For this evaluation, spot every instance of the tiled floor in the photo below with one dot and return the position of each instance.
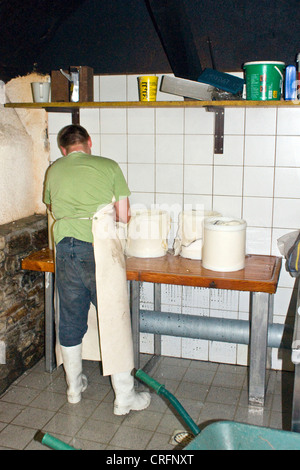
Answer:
(208, 391)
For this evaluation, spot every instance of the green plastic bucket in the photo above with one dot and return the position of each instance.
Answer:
(264, 80)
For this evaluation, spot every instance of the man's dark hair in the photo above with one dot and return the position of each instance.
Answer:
(71, 135)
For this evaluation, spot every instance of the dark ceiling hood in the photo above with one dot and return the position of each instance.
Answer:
(173, 28)
(145, 36)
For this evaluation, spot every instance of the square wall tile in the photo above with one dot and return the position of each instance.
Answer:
(258, 240)
(96, 87)
(233, 152)
(287, 151)
(113, 88)
(199, 121)
(197, 179)
(198, 149)
(169, 120)
(282, 301)
(169, 178)
(141, 200)
(257, 211)
(222, 352)
(260, 121)
(171, 346)
(288, 121)
(194, 349)
(90, 120)
(171, 295)
(146, 343)
(197, 201)
(244, 305)
(96, 147)
(228, 206)
(55, 152)
(234, 121)
(197, 297)
(220, 299)
(287, 182)
(171, 203)
(258, 181)
(286, 213)
(132, 88)
(141, 177)
(56, 121)
(114, 147)
(140, 121)
(113, 121)
(141, 148)
(169, 148)
(228, 180)
(259, 150)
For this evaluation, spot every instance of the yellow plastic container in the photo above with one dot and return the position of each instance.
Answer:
(147, 88)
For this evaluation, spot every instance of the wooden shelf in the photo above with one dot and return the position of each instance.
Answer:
(213, 106)
(62, 106)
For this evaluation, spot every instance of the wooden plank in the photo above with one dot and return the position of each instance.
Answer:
(42, 260)
(261, 273)
(156, 104)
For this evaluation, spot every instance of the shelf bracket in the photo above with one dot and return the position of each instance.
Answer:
(219, 128)
(74, 112)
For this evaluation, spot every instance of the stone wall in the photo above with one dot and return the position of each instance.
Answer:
(21, 298)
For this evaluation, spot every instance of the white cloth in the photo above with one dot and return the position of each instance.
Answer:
(112, 295)
(109, 334)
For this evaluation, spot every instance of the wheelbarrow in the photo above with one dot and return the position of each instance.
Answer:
(226, 435)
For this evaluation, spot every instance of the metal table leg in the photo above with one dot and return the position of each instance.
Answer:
(49, 323)
(135, 320)
(296, 400)
(296, 362)
(261, 311)
(157, 338)
(157, 308)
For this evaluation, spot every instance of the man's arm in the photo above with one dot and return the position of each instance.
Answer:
(123, 210)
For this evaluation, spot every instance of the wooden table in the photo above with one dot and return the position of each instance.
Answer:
(259, 277)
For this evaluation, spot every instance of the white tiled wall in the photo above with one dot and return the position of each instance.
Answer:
(168, 159)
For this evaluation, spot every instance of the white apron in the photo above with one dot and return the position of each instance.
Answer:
(109, 334)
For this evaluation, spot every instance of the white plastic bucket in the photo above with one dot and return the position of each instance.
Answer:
(224, 247)
(147, 234)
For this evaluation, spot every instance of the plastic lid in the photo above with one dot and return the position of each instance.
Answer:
(262, 62)
(227, 224)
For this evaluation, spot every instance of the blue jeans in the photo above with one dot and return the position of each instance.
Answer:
(76, 284)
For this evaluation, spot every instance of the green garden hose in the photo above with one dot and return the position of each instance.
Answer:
(52, 441)
(161, 390)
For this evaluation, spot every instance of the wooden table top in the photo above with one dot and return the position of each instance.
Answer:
(261, 272)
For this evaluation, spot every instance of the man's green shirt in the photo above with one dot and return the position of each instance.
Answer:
(78, 185)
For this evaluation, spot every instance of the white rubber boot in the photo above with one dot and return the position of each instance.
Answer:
(126, 398)
(76, 381)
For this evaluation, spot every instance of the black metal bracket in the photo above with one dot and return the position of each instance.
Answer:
(74, 112)
(219, 128)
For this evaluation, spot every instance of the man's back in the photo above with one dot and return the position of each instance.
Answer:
(76, 186)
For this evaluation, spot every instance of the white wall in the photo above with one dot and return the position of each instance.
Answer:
(24, 153)
(167, 157)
